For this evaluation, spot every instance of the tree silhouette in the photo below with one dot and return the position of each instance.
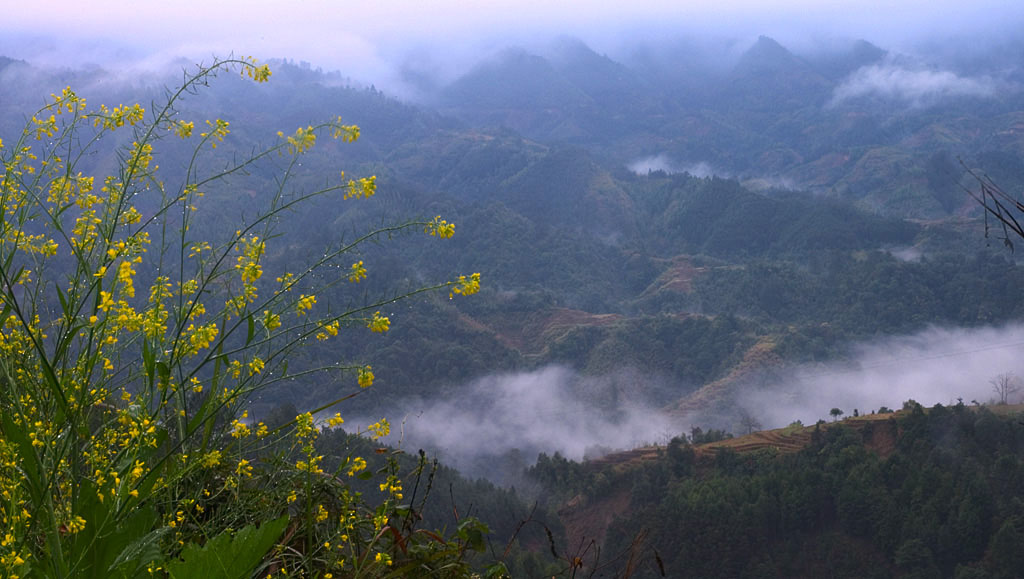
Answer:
(1005, 386)
(749, 423)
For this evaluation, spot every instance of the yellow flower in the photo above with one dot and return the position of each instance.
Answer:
(357, 273)
(255, 71)
(211, 459)
(301, 141)
(218, 130)
(313, 466)
(202, 336)
(75, 525)
(256, 366)
(183, 128)
(347, 133)
(199, 248)
(440, 228)
(379, 323)
(240, 429)
(305, 304)
(379, 429)
(124, 277)
(365, 377)
(364, 188)
(304, 425)
(271, 321)
(357, 466)
(465, 286)
(330, 330)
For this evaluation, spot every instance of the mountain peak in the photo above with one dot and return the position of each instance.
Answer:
(766, 55)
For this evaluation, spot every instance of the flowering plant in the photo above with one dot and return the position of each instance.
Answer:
(129, 347)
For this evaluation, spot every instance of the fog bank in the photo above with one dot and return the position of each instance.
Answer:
(555, 409)
(552, 409)
(936, 366)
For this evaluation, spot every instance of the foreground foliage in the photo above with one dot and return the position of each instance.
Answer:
(130, 345)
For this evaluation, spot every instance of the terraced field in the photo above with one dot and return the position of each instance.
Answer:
(783, 440)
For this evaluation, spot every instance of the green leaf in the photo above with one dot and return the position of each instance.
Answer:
(30, 466)
(62, 298)
(148, 361)
(163, 372)
(497, 571)
(473, 532)
(251, 329)
(226, 556)
(139, 554)
(99, 549)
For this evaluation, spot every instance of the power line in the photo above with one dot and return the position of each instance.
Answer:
(893, 361)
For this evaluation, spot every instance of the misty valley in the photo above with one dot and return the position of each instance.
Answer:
(702, 308)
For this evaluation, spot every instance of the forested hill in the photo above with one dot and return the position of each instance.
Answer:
(917, 493)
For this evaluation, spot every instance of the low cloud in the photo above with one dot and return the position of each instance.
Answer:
(495, 426)
(553, 409)
(662, 162)
(936, 366)
(907, 253)
(913, 86)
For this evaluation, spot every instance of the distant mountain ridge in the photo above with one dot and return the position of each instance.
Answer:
(772, 117)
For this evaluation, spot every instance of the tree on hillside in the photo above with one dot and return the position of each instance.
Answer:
(1005, 385)
(749, 423)
(835, 413)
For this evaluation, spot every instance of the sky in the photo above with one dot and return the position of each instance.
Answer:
(365, 40)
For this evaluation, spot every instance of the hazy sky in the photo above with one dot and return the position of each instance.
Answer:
(359, 37)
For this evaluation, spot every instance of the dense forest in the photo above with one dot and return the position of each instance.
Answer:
(917, 493)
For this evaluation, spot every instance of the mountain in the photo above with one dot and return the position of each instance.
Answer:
(771, 117)
(769, 78)
(519, 90)
(837, 63)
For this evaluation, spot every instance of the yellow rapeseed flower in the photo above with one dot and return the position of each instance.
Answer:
(379, 323)
(365, 377)
(357, 273)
